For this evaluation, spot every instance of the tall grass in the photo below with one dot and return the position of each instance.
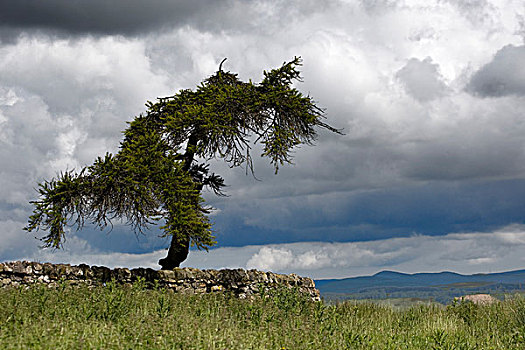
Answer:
(117, 317)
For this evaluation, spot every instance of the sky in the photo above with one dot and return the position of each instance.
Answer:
(429, 175)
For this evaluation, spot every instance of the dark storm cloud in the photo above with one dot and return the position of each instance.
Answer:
(431, 209)
(127, 17)
(135, 17)
(504, 75)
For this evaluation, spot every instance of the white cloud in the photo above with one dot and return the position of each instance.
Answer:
(460, 252)
(62, 103)
(270, 259)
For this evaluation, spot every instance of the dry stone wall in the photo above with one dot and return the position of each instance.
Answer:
(242, 283)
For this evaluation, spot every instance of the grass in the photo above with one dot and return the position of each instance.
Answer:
(118, 317)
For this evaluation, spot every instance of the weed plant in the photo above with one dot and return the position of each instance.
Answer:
(120, 317)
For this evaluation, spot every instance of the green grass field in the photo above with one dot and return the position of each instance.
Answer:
(115, 317)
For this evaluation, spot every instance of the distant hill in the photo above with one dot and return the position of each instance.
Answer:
(441, 287)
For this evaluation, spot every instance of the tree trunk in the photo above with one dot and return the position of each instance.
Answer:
(180, 246)
(177, 253)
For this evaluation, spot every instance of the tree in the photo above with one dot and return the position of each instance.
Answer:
(160, 169)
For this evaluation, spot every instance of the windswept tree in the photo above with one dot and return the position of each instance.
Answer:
(161, 167)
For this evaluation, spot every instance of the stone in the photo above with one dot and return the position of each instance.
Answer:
(194, 273)
(101, 273)
(211, 274)
(242, 283)
(148, 274)
(37, 268)
(217, 288)
(77, 272)
(308, 282)
(43, 278)
(122, 274)
(49, 270)
(21, 268)
(168, 275)
(63, 270)
(182, 274)
(87, 271)
(480, 299)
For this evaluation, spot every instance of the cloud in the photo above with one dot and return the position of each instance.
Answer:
(422, 79)
(63, 103)
(15, 242)
(28, 133)
(503, 76)
(21, 245)
(379, 7)
(459, 252)
(424, 150)
(479, 12)
(84, 254)
(98, 17)
(473, 252)
(137, 18)
(73, 75)
(271, 258)
(276, 259)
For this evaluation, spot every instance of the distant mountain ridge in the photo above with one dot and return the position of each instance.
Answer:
(441, 285)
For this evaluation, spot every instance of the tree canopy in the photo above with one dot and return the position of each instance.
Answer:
(161, 167)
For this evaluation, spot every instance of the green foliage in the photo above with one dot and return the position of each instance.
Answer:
(116, 317)
(465, 310)
(155, 175)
